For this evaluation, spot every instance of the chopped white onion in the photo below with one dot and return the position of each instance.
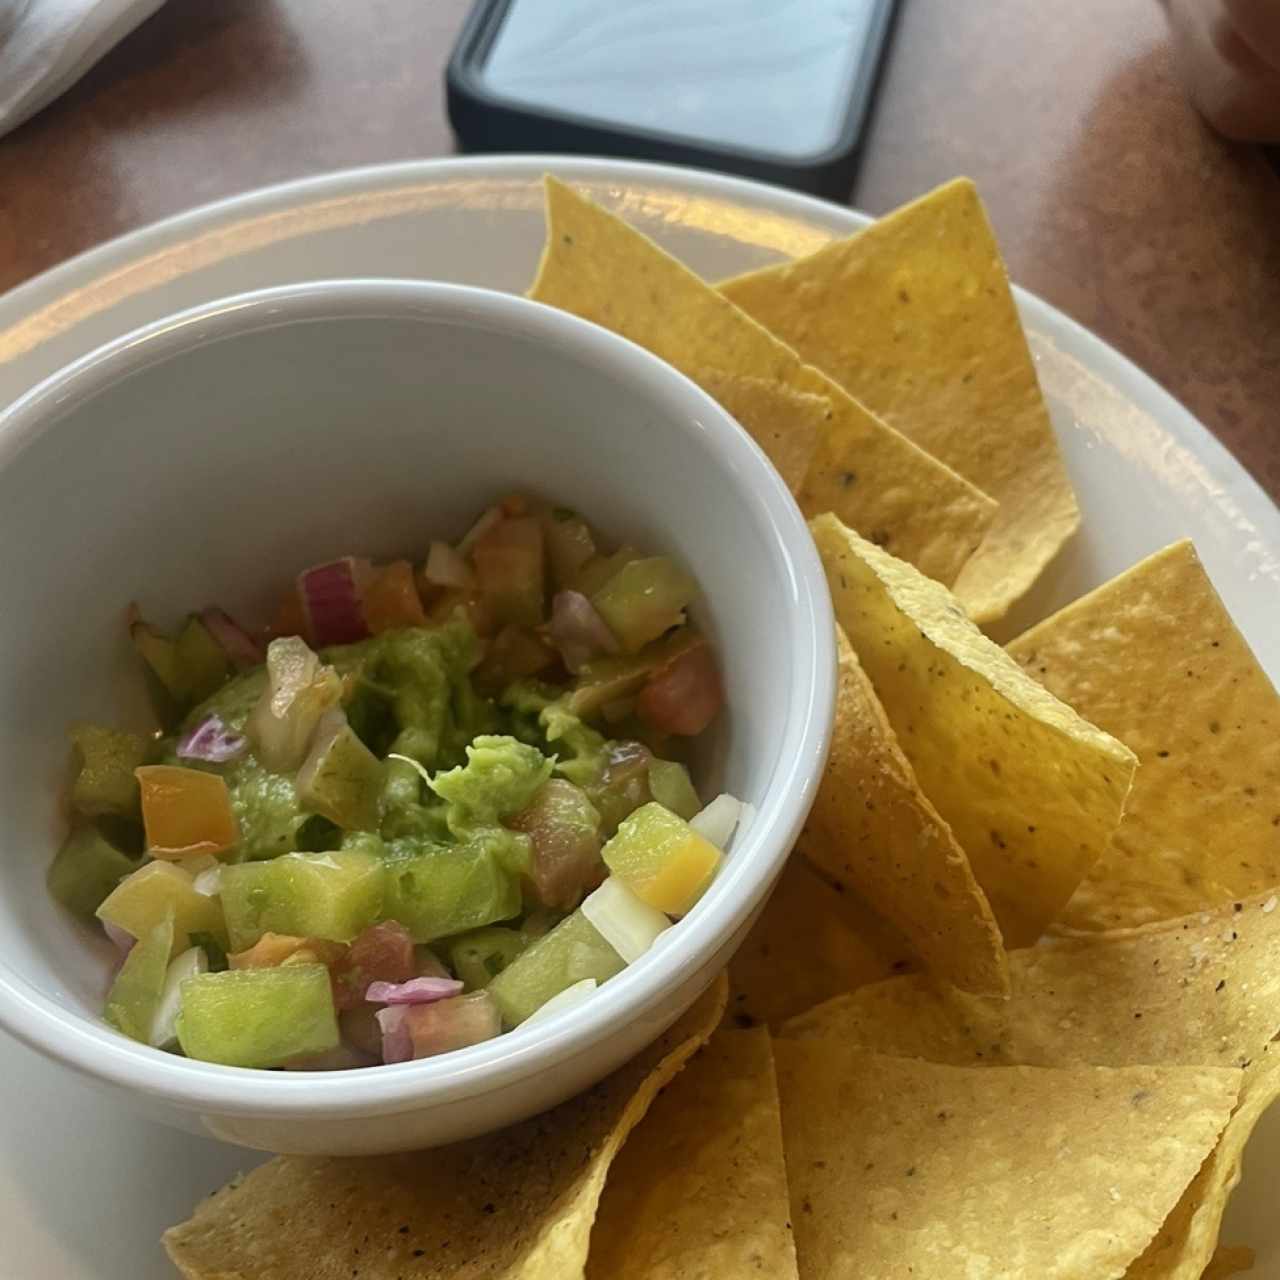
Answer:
(569, 998)
(718, 820)
(208, 883)
(477, 531)
(164, 1026)
(446, 567)
(578, 631)
(397, 1043)
(628, 925)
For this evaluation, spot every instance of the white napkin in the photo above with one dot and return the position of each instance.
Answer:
(47, 45)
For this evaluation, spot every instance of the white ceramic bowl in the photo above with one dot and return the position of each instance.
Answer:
(205, 459)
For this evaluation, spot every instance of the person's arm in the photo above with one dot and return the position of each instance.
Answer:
(1228, 51)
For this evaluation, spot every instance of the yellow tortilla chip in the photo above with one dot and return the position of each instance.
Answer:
(873, 831)
(1228, 1260)
(597, 267)
(1201, 991)
(903, 1168)
(914, 318)
(700, 1190)
(515, 1205)
(785, 423)
(812, 941)
(1187, 1242)
(1154, 657)
(1032, 791)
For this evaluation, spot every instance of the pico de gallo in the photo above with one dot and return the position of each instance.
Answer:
(431, 802)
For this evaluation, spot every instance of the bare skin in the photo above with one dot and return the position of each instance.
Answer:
(1229, 54)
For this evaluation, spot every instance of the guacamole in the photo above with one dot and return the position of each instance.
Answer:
(389, 831)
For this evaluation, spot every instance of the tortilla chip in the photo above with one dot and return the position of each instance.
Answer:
(700, 1190)
(1201, 991)
(1187, 1242)
(906, 1168)
(873, 831)
(812, 941)
(1228, 1260)
(515, 1205)
(914, 318)
(598, 267)
(785, 423)
(1154, 657)
(1032, 791)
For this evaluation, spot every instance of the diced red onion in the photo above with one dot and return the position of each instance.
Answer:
(477, 531)
(212, 742)
(578, 630)
(243, 650)
(397, 1043)
(330, 595)
(415, 991)
(119, 937)
(446, 567)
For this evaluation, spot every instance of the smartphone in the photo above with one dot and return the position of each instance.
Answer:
(771, 89)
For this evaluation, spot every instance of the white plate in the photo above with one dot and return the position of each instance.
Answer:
(85, 1189)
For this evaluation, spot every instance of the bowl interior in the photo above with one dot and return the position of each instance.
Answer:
(212, 464)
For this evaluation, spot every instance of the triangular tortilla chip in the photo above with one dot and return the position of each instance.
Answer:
(785, 423)
(812, 941)
(700, 1190)
(598, 267)
(1032, 791)
(1200, 991)
(873, 831)
(515, 1205)
(1154, 657)
(902, 1168)
(914, 318)
(1228, 1260)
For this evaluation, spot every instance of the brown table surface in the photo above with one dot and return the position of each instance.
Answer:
(1110, 198)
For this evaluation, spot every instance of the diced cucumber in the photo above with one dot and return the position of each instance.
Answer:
(569, 998)
(341, 778)
(312, 895)
(662, 859)
(672, 787)
(573, 950)
(478, 957)
(164, 1026)
(203, 665)
(156, 889)
(258, 1017)
(644, 599)
(105, 783)
(450, 889)
(87, 868)
(135, 995)
(509, 567)
(599, 569)
(570, 544)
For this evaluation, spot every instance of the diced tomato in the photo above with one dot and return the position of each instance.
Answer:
(684, 696)
(509, 564)
(513, 654)
(290, 619)
(391, 599)
(451, 1024)
(381, 953)
(564, 829)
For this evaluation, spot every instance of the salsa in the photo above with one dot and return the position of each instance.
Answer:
(433, 802)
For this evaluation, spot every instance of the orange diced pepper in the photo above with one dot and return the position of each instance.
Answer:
(185, 811)
(391, 599)
(291, 618)
(274, 949)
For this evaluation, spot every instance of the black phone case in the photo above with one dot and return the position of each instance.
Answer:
(484, 121)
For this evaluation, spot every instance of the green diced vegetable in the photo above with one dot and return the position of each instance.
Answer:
(644, 599)
(311, 895)
(449, 889)
(570, 544)
(88, 867)
(258, 1017)
(105, 783)
(134, 997)
(672, 787)
(156, 890)
(573, 950)
(598, 570)
(478, 957)
(341, 778)
(203, 665)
